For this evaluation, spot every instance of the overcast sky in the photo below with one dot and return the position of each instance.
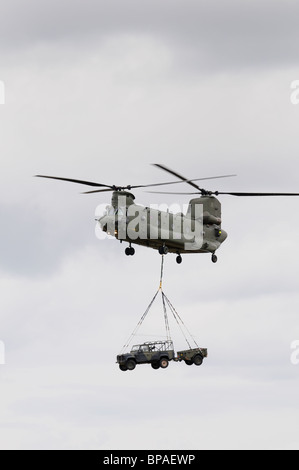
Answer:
(98, 91)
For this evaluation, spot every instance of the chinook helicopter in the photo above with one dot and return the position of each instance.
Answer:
(197, 231)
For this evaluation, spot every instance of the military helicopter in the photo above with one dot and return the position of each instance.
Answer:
(197, 231)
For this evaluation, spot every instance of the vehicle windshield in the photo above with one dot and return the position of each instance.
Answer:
(155, 346)
(140, 348)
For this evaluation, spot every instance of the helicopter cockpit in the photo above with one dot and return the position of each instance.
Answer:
(112, 211)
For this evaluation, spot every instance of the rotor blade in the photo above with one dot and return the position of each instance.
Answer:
(179, 182)
(210, 193)
(186, 180)
(98, 191)
(255, 194)
(169, 192)
(128, 187)
(211, 178)
(88, 183)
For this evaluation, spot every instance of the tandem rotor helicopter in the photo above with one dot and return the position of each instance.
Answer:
(197, 231)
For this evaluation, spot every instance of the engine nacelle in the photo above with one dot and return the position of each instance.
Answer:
(209, 219)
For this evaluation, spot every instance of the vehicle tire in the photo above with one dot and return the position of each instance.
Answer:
(197, 360)
(188, 362)
(132, 251)
(164, 362)
(128, 251)
(123, 367)
(131, 364)
(155, 365)
(214, 258)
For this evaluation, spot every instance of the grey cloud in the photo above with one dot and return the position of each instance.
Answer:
(30, 246)
(69, 301)
(203, 35)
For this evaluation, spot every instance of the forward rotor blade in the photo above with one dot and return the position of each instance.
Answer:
(98, 191)
(128, 187)
(88, 183)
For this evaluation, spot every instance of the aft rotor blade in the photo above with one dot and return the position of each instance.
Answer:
(183, 181)
(255, 194)
(186, 180)
(172, 192)
(216, 193)
(88, 183)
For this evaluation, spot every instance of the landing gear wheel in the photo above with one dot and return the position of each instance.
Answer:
(179, 259)
(214, 258)
(163, 250)
(129, 251)
(164, 362)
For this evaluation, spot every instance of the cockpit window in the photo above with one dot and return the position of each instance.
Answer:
(110, 210)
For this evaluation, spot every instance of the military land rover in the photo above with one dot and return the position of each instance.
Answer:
(157, 353)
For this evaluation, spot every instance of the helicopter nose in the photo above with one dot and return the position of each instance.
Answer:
(223, 236)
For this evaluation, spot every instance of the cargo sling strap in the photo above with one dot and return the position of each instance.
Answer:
(166, 303)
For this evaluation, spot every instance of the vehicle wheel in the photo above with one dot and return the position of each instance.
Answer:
(214, 258)
(198, 360)
(179, 259)
(123, 367)
(188, 362)
(131, 364)
(155, 365)
(164, 362)
(132, 251)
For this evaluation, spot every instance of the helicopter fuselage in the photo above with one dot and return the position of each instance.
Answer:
(197, 231)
